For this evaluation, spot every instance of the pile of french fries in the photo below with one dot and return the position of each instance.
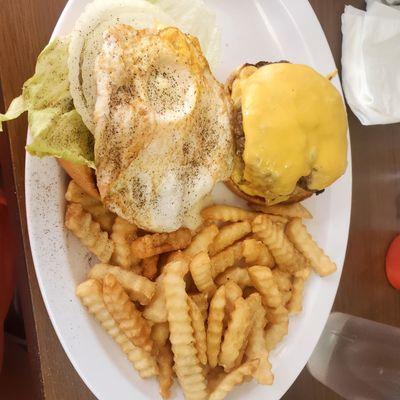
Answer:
(206, 306)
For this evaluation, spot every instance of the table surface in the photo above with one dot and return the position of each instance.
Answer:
(25, 28)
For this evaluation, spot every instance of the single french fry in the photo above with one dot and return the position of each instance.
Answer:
(287, 257)
(157, 243)
(123, 232)
(200, 269)
(263, 281)
(235, 335)
(232, 293)
(256, 345)
(235, 274)
(257, 253)
(304, 242)
(214, 378)
(201, 300)
(277, 328)
(215, 326)
(282, 279)
(90, 294)
(202, 240)
(220, 212)
(228, 235)
(150, 267)
(226, 258)
(294, 210)
(160, 333)
(124, 312)
(286, 296)
(187, 365)
(199, 331)
(295, 304)
(234, 378)
(90, 204)
(138, 287)
(165, 361)
(80, 222)
(303, 273)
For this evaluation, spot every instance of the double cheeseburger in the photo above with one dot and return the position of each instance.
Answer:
(290, 127)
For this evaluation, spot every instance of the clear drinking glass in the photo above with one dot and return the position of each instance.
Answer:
(357, 358)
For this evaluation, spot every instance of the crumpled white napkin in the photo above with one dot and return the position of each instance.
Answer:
(371, 62)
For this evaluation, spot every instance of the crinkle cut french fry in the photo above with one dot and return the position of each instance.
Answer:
(88, 231)
(228, 235)
(235, 334)
(215, 326)
(282, 279)
(91, 205)
(138, 287)
(202, 240)
(257, 253)
(220, 212)
(294, 210)
(160, 333)
(277, 328)
(150, 267)
(226, 258)
(201, 300)
(235, 274)
(187, 365)
(256, 344)
(124, 312)
(287, 257)
(199, 331)
(295, 304)
(165, 361)
(157, 243)
(263, 281)
(234, 378)
(200, 269)
(123, 232)
(304, 242)
(90, 294)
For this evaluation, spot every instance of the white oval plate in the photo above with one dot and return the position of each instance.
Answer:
(252, 30)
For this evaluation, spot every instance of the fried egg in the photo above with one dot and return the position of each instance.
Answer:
(162, 127)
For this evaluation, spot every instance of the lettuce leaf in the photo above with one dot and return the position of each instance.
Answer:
(56, 128)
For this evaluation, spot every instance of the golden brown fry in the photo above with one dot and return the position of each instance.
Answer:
(277, 328)
(160, 334)
(187, 365)
(165, 361)
(286, 296)
(202, 240)
(200, 269)
(215, 326)
(295, 305)
(150, 267)
(226, 258)
(199, 331)
(303, 241)
(91, 205)
(256, 345)
(201, 300)
(220, 212)
(294, 210)
(228, 235)
(89, 232)
(257, 253)
(138, 287)
(282, 279)
(214, 378)
(232, 293)
(235, 274)
(233, 379)
(90, 294)
(124, 312)
(303, 273)
(263, 281)
(287, 257)
(123, 232)
(157, 243)
(235, 335)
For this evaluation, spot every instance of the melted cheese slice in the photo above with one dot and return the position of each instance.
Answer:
(295, 126)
